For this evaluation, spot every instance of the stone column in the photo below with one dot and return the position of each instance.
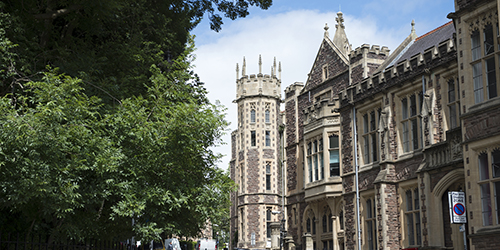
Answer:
(289, 243)
(275, 235)
(308, 241)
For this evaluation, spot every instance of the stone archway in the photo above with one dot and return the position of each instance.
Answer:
(451, 237)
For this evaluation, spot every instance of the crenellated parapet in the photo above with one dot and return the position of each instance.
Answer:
(365, 60)
(293, 89)
(366, 49)
(258, 84)
(399, 72)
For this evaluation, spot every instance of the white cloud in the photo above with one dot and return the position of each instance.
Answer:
(293, 38)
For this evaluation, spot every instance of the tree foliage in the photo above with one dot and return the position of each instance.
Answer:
(109, 44)
(74, 169)
(103, 122)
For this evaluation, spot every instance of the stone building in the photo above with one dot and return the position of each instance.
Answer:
(312, 135)
(255, 163)
(405, 120)
(374, 141)
(478, 46)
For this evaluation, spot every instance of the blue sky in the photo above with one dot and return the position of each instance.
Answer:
(292, 31)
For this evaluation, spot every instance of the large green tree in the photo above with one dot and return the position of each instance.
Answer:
(103, 122)
(109, 44)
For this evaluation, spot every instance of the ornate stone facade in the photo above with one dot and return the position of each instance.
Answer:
(255, 164)
(375, 141)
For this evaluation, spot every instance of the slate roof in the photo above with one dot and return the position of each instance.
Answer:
(428, 40)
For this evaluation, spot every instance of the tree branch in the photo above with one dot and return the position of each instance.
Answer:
(56, 13)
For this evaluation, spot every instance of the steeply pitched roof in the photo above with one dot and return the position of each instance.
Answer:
(430, 39)
(400, 50)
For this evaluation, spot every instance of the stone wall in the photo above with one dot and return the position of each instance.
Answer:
(482, 124)
(291, 163)
(487, 241)
(252, 171)
(326, 56)
(291, 124)
(393, 225)
(350, 219)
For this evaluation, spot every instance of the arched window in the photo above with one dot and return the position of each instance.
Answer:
(325, 224)
(252, 116)
(308, 225)
(268, 116)
(330, 222)
(268, 176)
(341, 220)
(314, 225)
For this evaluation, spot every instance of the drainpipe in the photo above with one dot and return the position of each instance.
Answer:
(357, 176)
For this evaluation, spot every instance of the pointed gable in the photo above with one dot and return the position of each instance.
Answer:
(332, 58)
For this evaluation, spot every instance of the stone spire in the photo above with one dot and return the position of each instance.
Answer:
(244, 68)
(279, 71)
(340, 38)
(260, 64)
(413, 33)
(327, 34)
(237, 72)
(274, 67)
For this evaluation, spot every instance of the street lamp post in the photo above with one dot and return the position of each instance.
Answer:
(283, 220)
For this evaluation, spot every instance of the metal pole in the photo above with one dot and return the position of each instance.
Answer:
(282, 227)
(465, 237)
(355, 142)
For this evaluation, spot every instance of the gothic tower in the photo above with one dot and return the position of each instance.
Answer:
(255, 162)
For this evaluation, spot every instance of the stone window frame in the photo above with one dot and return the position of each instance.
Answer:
(453, 102)
(268, 222)
(485, 79)
(309, 221)
(370, 136)
(410, 120)
(341, 220)
(327, 244)
(267, 112)
(315, 158)
(488, 161)
(331, 152)
(268, 175)
(324, 72)
(314, 225)
(267, 138)
(370, 216)
(253, 113)
(325, 219)
(242, 224)
(412, 223)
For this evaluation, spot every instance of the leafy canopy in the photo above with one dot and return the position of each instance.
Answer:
(103, 121)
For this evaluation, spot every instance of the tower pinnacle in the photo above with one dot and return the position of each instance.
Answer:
(412, 26)
(260, 64)
(279, 71)
(340, 38)
(244, 68)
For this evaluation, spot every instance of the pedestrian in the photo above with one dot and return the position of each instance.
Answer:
(170, 247)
